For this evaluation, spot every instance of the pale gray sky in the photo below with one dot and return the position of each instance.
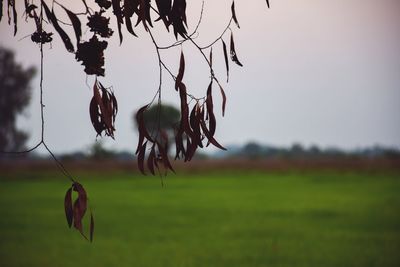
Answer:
(315, 71)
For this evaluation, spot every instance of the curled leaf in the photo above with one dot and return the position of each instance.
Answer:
(80, 206)
(209, 136)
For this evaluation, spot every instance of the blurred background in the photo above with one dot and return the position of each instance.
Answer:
(311, 176)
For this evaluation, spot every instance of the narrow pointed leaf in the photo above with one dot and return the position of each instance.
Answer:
(226, 60)
(211, 59)
(64, 37)
(234, 14)
(267, 3)
(223, 100)
(150, 160)
(15, 17)
(129, 26)
(210, 137)
(181, 71)
(140, 159)
(76, 23)
(118, 14)
(234, 57)
(164, 157)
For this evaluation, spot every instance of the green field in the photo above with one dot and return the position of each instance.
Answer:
(221, 219)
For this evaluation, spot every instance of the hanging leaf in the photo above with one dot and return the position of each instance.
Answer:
(95, 117)
(140, 158)
(234, 14)
(118, 14)
(181, 71)
(211, 58)
(180, 149)
(80, 206)
(164, 10)
(210, 111)
(177, 18)
(268, 3)
(14, 16)
(68, 207)
(130, 7)
(129, 26)
(151, 159)
(164, 157)
(91, 227)
(195, 124)
(226, 60)
(143, 13)
(64, 37)
(76, 23)
(209, 136)
(234, 57)
(223, 100)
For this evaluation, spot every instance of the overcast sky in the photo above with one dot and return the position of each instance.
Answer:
(315, 72)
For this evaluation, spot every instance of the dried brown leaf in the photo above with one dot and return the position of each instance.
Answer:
(68, 207)
(209, 136)
(223, 100)
(181, 71)
(164, 157)
(140, 158)
(151, 159)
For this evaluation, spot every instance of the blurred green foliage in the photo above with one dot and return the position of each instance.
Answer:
(219, 219)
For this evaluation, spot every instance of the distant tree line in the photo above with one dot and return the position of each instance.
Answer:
(256, 150)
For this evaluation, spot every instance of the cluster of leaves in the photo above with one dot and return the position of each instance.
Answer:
(103, 109)
(158, 156)
(75, 212)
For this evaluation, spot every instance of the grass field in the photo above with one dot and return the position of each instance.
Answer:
(220, 219)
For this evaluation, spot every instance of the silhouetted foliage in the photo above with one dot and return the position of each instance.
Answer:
(15, 92)
(197, 124)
